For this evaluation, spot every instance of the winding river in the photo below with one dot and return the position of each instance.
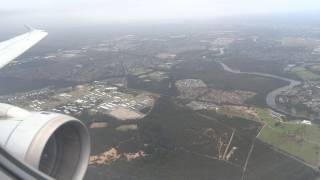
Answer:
(271, 97)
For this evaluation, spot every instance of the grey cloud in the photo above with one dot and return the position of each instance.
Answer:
(153, 9)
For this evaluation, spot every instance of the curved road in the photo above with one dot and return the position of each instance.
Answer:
(271, 97)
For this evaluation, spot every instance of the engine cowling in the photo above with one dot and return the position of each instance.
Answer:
(57, 145)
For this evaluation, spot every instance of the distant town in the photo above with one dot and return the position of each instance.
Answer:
(95, 97)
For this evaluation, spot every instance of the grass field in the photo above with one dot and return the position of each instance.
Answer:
(241, 112)
(301, 141)
(304, 74)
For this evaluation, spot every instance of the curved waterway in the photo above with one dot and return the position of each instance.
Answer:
(271, 97)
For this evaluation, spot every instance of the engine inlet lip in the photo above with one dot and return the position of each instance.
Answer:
(36, 148)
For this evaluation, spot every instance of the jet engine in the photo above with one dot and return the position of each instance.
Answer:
(55, 144)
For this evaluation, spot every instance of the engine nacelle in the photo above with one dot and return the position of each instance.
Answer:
(57, 145)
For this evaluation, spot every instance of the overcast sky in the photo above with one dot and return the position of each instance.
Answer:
(119, 10)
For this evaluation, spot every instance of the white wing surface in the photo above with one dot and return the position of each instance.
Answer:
(16, 46)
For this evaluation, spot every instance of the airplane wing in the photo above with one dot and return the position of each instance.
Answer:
(9, 50)
(39, 145)
(16, 46)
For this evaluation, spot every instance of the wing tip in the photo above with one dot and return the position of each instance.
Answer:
(29, 27)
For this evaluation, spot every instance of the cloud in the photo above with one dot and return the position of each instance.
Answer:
(155, 9)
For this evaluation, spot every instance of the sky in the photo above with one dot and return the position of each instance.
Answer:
(122, 10)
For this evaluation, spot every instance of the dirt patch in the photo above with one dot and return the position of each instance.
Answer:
(96, 125)
(127, 127)
(105, 158)
(125, 114)
(133, 156)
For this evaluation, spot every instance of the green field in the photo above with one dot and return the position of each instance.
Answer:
(233, 112)
(305, 74)
(301, 141)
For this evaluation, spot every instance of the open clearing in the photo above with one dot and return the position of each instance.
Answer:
(299, 140)
(305, 74)
(125, 114)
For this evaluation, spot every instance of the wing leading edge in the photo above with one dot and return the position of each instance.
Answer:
(16, 46)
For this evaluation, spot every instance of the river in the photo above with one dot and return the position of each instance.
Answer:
(271, 97)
